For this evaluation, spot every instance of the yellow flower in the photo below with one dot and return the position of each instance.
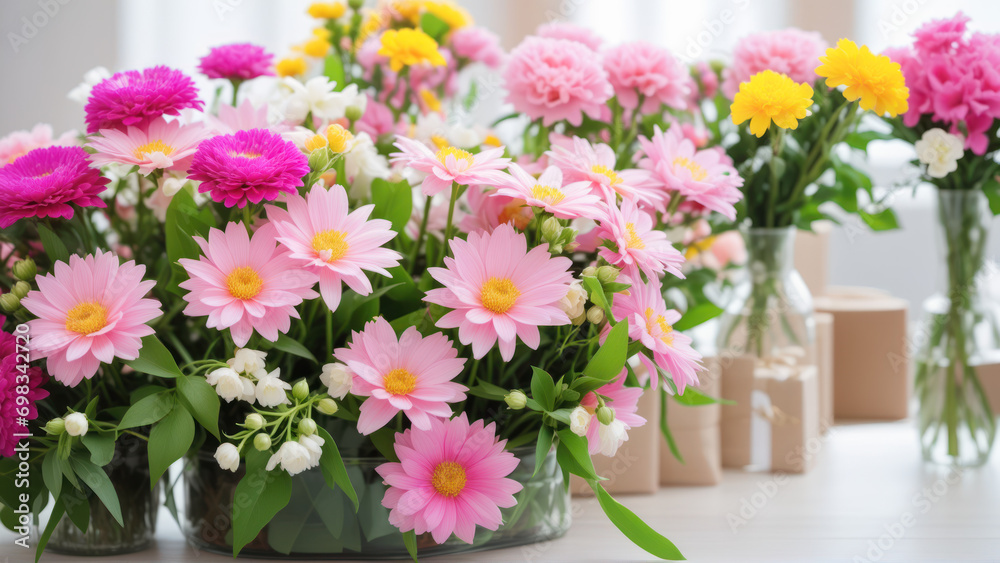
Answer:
(769, 96)
(408, 9)
(326, 10)
(316, 47)
(430, 100)
(875, 79)
(492, 140)
(450, 13)
(322, 33)
(291, 66)
(407, 46)
(315, 142)
(339, 138)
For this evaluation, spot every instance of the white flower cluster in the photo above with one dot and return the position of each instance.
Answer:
(295, 457)
(247, 379)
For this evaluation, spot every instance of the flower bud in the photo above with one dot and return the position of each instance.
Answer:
(328, 406)
(21, 289)
(607, 274)
(605, 415)
(352, 113)
(307, 427)
(595, 315)
(300, 390)
(516, 399)
(56, 426)
(551, 229)
(25, 269)
(338, 138)
(555, 248)
(315, 143)
(254, 421)
(9, 302)
(319, 161)
(579, 421)
(76, 424)
(589, 272)
(262, 442)
(355, 4)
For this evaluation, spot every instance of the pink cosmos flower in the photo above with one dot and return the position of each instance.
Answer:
(450, 479)
(477, 45)
(637, 244)
(238, 61)
(248, 167)
(450, 165)
(487, 211)
(499, 291)
(703, 176)
(378, 120)
(791, 51)
(555, 80)
(137, 97)
(19, 391)
(642, 68)
(624, 401)
(246, 284)
(20, 143)
(243, 118)
(337, 246)
(89, 312)
(412, 374)
(596, 164)
(571, 32)
(650, 323)
(47, 183)
(163, 145)
(567, 201)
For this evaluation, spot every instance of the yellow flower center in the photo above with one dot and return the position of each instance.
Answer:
(459, 154)
(439, 141)
(331, 245)
(633, 240)
(86, 317)
(499, 294)
(698, 172)
(613, 178)
(448, 478)
(698, 247)
(151, 147)
(548, 194)
(244, 283)
(399, 382)
(658, 324)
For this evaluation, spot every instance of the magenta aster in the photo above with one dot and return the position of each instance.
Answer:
(248, 167)
(137, 97)
(13, 376)
(47, 183)
(238, 61)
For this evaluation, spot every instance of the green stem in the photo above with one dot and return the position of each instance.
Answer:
(449, 225)
(420, 234)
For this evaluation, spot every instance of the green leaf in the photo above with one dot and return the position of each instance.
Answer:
(291, 346)
(201, 401)
(405, 289)
(884, 220)
(384, 440)
(101, 446)
(693, 397)
(542, 447)
(487, 390)
(169, 439)
(91, 409)
(261, 494)
(665, 427)
(573, 455)
(57, 513)
(860, 139)
(52, 473)
(393, 202)
(53, 246)
(543, 389)
(634, 528)
(333, 68)
(410, 541)
(334, 470)
(148, 410)
(697, 315)
(596, 292)
(434, 26)
(77, 508)
(155, 359)
(610, 357)
(98, 481)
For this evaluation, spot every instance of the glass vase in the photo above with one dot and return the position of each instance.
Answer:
(770, 312)
(129, 473)
(959, 336)
(320, 522)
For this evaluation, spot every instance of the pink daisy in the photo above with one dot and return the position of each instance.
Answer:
(245, 284)
(650, 323)
(571, 32)
(499, 291)
(624, 401)
(450, 165)
(15, 384)
(412, 374)
(238, 61)
(565, 201)
(338, 246)
(637, 243)
(163, 145)
(450, 479)
(20, 143)
(90, 312)
(248, 167)
(596, 164)
(243, 118)
(706, 177)
(137, 97)
(487, 211)
(48, 182)
(642, 68)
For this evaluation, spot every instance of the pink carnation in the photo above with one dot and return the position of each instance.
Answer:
(570, 32)
(555, 80)
(642, 68)
(238, 61)
(20, 143)
(791, 51)
(477, 45)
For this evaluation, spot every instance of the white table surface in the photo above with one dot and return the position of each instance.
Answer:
(869, 481)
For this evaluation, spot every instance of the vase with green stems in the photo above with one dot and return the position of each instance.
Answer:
(771, 309)
(960, 334)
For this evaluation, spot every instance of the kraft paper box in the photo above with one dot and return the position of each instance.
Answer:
(635, 468)
(697, 434)
(812, 256)
(793, 414)
(735, 428)
(870, 360)
(824, 365)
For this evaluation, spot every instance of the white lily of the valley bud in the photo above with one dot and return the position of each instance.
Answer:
(230, 385)
(254, 421)
(293, 457)
(271, 389)
(228, 457)
(249, 361)
(76, 424)
(338, 379)
(579, 421)
(611, 437)
(314, 444)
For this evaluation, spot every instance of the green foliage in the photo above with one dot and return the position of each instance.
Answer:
(260, 494)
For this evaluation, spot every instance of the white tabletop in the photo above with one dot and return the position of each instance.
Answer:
(868, 485)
